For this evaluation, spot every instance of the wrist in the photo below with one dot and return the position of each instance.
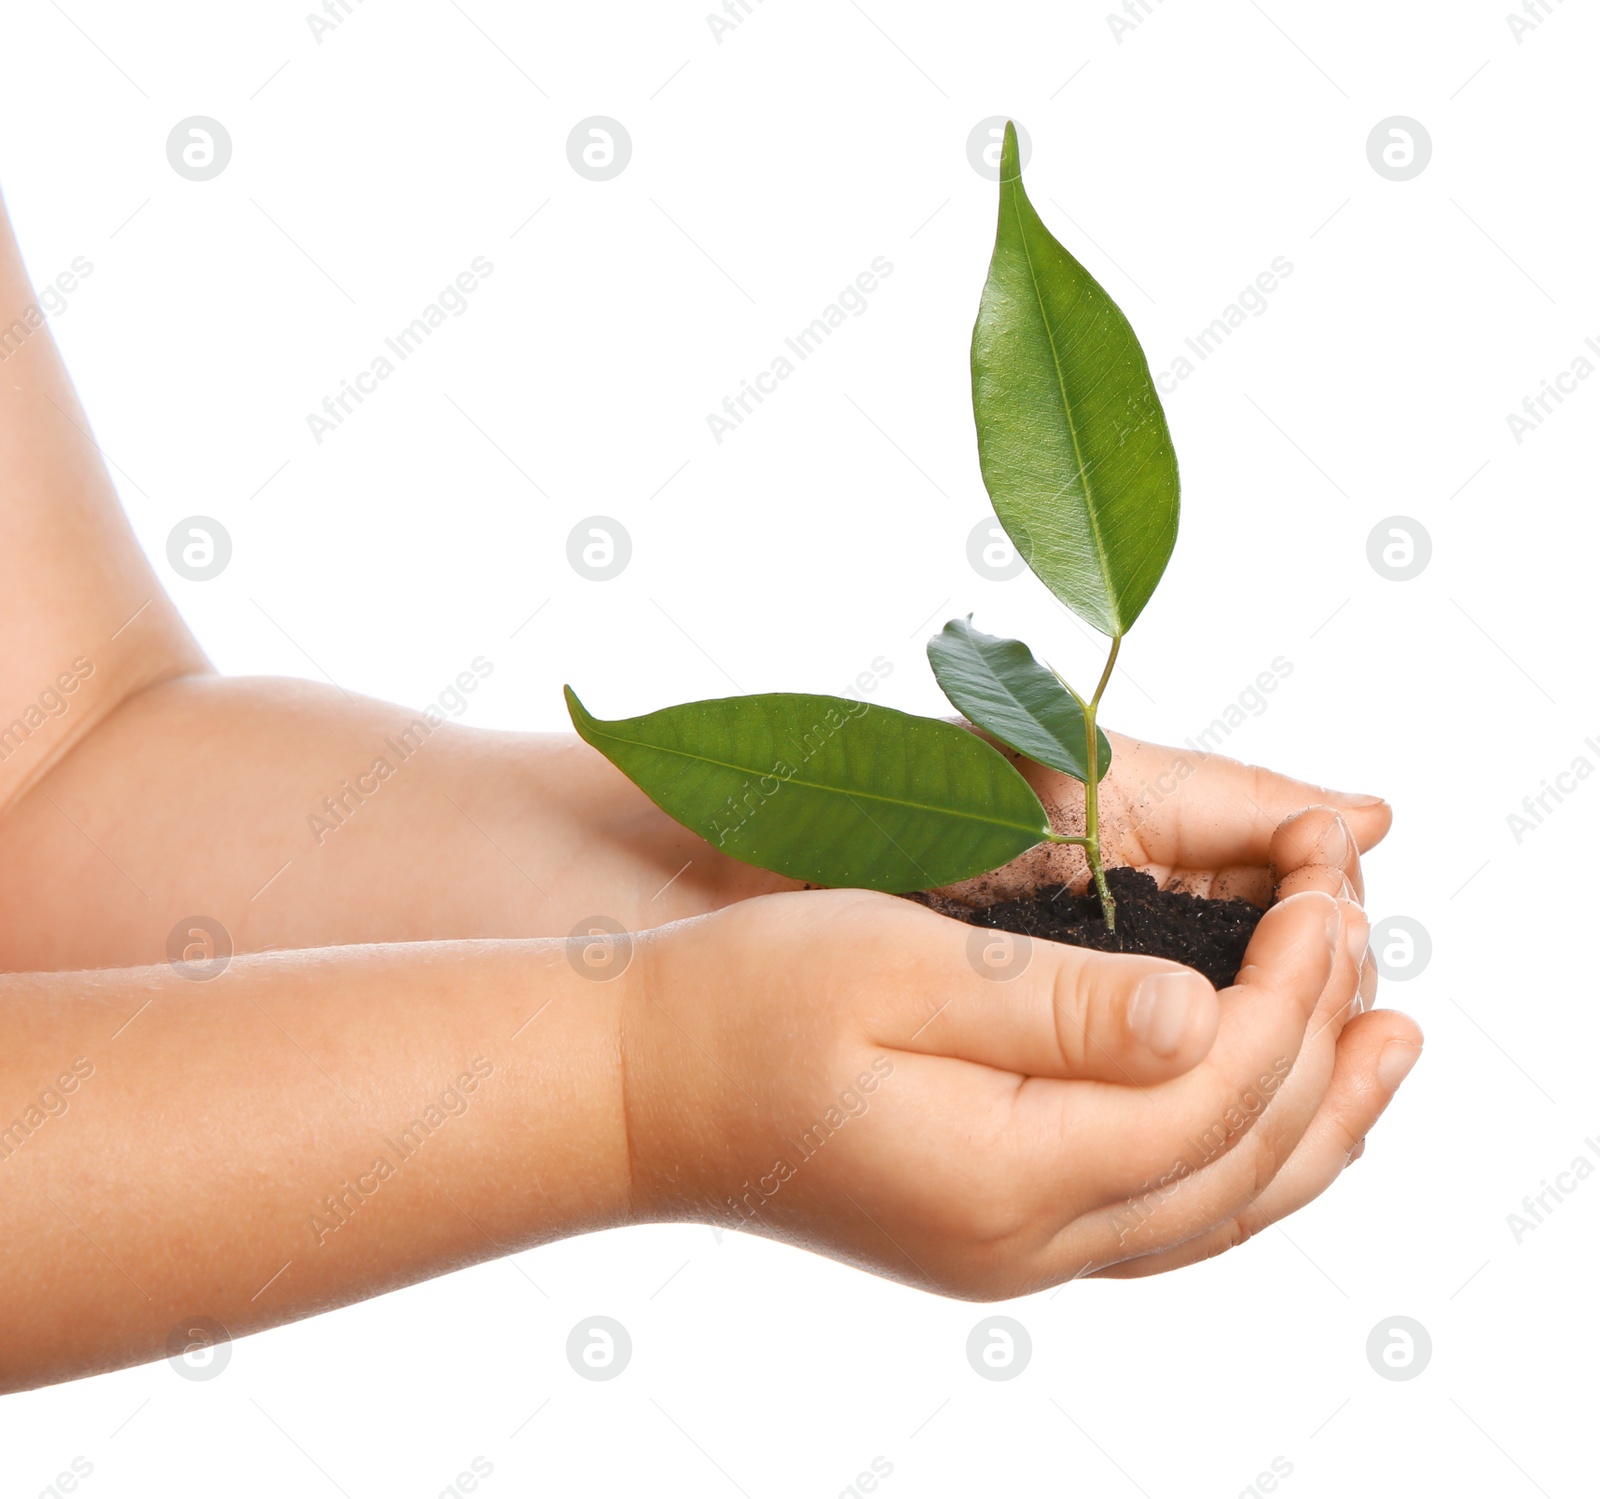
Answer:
(678, 1136)
(572, 1166)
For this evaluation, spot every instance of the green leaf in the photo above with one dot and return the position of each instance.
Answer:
(1001, 688)
(1072, 440)
(827, 789)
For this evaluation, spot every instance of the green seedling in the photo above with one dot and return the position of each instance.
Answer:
(1079, 465)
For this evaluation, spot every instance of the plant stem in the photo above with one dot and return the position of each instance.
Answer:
(1091, 791)
(1105, 676)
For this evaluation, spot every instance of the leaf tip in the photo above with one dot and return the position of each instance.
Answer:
(580, 716)
(1010, 156)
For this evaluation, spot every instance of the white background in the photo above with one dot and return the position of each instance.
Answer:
(768, 169)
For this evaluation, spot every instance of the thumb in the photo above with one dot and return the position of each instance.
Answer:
(1044, 1009)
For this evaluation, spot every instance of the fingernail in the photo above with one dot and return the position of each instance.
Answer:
(1336, 844)
(1356, 930)
(1354, 799)
(1163, 1009)
(1395, 1061)
(1358, 1150)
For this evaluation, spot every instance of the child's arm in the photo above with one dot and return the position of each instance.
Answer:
(828, 1069)
(262, 804)
(301, 1132)
(137, 787)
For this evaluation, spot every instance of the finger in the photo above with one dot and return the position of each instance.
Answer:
(1374, 1056)
(1044, 1009)
(1178, 1209)
(1318, 836)
(1174, 1129)
(1340, 1001)
(1219, 813)
(1315, 877)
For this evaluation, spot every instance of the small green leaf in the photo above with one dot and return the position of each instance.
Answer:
(827, 789)
(1072, 440)
(1001, 688)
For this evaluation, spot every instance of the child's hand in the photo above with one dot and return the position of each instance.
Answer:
(836, 1070)
(1203, 822)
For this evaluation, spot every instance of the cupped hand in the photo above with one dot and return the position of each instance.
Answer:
(847, 1072)
(1196, 822)
(1211, 825)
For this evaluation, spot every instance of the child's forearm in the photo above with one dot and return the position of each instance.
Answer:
(298, 816)
(305, 1130)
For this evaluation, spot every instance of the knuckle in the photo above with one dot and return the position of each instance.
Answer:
(1072, 1004)
(990, 1219)
(1261, 785)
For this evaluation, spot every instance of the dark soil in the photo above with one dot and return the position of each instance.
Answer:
(1210, 935)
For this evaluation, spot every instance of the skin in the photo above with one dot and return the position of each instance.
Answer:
(828, 1068)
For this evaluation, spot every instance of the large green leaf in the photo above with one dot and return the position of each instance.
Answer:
(827, 789)
(1072, 440)
(1001, 688)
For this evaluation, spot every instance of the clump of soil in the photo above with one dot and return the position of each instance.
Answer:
(1208, 935)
